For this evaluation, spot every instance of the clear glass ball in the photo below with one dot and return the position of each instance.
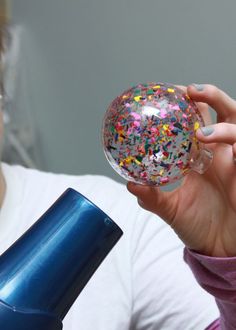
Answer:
(149, 137)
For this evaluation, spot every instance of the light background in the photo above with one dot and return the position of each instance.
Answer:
(77, 55)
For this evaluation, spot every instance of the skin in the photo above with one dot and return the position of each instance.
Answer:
(202, 211)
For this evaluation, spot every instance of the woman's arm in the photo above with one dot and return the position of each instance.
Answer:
(202, 211)
(218, 277)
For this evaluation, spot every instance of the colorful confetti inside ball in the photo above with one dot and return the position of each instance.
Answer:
(149, 134)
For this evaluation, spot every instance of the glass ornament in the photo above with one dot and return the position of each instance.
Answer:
(149, 135)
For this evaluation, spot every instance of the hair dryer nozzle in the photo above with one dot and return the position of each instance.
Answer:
(45, 270)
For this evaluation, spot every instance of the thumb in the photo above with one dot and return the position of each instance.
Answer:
(154, 200)
(221, 132)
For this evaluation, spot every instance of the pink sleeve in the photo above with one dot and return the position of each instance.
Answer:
(218, 277)
(214, 326)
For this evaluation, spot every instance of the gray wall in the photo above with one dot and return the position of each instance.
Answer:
(79, 54)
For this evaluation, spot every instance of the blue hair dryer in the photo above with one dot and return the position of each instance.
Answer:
(44, 271)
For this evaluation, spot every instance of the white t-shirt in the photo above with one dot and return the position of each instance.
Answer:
(142, 284)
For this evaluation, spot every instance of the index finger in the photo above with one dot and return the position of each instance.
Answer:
(202, 107)
(221, 102)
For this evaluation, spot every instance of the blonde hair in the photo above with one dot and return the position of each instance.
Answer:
(4, 21)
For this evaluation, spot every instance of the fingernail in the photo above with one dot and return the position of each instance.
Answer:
(207, 130)
(198, 87)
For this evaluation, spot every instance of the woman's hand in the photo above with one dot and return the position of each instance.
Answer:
(202, 211)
